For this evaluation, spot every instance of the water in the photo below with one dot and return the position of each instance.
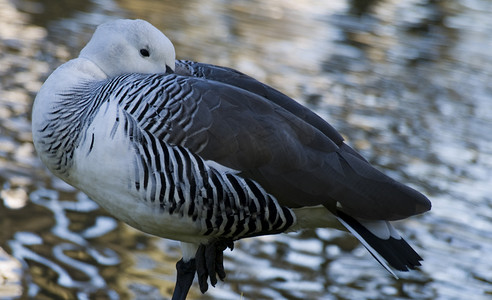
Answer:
(408, 84)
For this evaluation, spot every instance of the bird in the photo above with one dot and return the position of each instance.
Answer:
(207, 155)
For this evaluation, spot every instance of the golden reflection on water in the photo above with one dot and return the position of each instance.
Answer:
(407, 82)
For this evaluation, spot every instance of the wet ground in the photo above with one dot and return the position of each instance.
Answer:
(408, 83)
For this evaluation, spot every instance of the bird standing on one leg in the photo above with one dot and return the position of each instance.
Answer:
(207, 155)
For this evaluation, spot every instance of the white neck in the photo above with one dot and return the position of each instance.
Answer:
(49, 99)
(63, 79)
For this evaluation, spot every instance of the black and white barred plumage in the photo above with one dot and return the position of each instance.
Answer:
(155, 112)
(207, 155)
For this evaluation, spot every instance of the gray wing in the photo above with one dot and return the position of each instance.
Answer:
(240, 80)
(292, 153)
(232, 77)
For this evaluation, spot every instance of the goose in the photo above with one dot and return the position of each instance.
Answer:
(207, 155)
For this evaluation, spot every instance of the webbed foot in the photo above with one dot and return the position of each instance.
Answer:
(210, 262)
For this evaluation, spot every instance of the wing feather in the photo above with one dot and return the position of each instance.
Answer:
(270, 138)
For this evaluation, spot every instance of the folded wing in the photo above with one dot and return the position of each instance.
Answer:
(231, 119)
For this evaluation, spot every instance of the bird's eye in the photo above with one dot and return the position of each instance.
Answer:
(144, 52)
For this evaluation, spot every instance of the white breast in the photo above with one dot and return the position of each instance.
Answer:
(104, 169)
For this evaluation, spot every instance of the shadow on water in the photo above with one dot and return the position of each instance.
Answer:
(406, 83)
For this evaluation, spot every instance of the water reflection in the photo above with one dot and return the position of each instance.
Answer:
(407, 83)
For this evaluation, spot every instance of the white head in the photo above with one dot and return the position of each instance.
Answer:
(129, 46)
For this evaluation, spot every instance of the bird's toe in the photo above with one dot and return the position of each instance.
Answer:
(210, 262)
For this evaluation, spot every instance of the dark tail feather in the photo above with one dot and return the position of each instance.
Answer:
(393, 250)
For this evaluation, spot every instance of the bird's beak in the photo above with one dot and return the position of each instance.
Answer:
(169, 70)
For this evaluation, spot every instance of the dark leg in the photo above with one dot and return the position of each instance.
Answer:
(184, 279)
(210, 262)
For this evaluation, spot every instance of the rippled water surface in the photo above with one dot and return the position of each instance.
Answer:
(408, 83)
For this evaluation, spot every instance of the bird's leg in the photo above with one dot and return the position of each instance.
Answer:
(210, 262)
(186, 272)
